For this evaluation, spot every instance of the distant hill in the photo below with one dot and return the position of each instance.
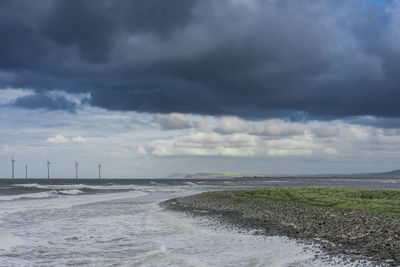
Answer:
(389, 174)
(394, 173)
(205, 175)
(177, 176)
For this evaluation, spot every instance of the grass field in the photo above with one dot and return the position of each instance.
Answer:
(372, 200)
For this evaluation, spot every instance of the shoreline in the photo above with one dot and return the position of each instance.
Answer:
(353, 234)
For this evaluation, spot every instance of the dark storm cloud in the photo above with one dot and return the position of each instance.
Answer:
(161, 17)
(20, 45)
(94, 26)
(296, 58)
(87, 24)
(47, 102)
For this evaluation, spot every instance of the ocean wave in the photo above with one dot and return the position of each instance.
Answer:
(111, 187)
(55, 200)
(68, 186)
(70, 192)
(46, 194)
(66, 189)
(190, 183)
(87, 186)
(32, 185)
(73, 186)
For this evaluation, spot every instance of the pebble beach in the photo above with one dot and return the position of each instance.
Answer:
(350, 234)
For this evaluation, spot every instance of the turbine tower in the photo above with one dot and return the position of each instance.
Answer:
(26, 171)
(76, 170)
(12, 167)
(48, 170)
(99, 165)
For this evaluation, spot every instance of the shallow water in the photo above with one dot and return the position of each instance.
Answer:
(119, 223)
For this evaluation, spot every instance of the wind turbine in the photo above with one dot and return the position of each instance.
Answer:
(12, 167)
(48, 169)
(26, 171)
(76, 170)
(99, 165)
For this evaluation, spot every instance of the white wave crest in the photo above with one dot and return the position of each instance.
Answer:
(60, 201)
(31, 195)
(32, 185)
(190, 183)
(68, 186)
(70, 192)
(88, 186)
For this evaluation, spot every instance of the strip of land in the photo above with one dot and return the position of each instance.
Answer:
(354, 222)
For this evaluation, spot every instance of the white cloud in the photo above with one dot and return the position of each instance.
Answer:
(172, 121)
(291, 146)
(238, 144)
(324, 130)
(141, 150)
(138, 120)
(360, 133)
(78, 140)
(201, 126)
(206, 144)
(232, 136)
(75, 98)
(331, 151)
(229, 125)
(10, 94)
(58, 139)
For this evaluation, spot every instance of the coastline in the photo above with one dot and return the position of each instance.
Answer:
(354, 234)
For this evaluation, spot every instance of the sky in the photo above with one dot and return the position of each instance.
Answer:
(154, 87)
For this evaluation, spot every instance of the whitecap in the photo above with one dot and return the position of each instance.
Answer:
(30, 195)
(32, 185)
(70, 192)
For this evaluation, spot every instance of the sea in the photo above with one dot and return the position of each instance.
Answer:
(118, 222)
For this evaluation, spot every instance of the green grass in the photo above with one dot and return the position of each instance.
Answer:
(372, 200)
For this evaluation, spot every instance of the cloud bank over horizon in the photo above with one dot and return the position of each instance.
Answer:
(131, 144)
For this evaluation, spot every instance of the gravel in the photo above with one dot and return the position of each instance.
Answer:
(353, 234)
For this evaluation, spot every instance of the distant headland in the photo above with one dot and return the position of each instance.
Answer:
(227, 175)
